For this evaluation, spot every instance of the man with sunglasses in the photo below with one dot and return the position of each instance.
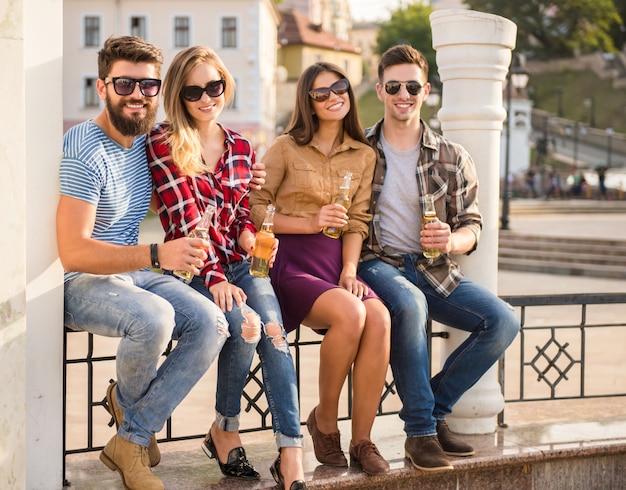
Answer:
(109, 288)
(413, 161)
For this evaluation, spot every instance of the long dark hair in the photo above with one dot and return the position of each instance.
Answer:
(304, 122)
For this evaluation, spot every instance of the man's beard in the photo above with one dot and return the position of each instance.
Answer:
(131, 126)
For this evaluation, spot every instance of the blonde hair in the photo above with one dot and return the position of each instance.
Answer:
(183, 137)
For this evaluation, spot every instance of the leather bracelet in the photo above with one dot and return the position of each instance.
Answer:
(154, 256)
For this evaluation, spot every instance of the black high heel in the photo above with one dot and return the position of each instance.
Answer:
(237, 464)
(275, 471)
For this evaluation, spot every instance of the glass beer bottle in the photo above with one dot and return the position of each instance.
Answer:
(200, 231)
(430, 216)
(263, 244)
(343, 199)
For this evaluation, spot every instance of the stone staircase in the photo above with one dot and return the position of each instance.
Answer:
(560, 255)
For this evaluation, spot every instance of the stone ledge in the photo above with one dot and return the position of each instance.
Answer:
(583, 454)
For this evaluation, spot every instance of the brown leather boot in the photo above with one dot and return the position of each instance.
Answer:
(132, 463)
(426, 454)
(154, 453)
(451, 444)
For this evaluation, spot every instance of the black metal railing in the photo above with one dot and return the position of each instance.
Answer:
(554, 359)
(549, 358)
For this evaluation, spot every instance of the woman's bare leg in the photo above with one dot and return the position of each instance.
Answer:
(370, 369)
(343, 314)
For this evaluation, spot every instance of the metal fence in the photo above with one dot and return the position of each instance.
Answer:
(546, 362)
(570, 359)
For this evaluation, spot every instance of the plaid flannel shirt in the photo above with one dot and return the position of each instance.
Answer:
(446, 170)
(181, 199)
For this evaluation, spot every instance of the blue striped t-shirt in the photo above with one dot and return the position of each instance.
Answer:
(115, 179)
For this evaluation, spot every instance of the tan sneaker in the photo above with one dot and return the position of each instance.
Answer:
(154, 453)
(132, 462)
(426, 454)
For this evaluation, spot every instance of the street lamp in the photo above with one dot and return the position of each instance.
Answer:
(518, 77)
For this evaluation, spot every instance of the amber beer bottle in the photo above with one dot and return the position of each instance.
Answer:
(263, 244)
(430, 216)
(343, 199)
(200, 231)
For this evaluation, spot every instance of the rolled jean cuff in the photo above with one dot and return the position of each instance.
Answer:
(228, 424)
(287, 441)
(424, 433)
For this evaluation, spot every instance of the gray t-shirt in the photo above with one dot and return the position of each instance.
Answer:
(398, 204)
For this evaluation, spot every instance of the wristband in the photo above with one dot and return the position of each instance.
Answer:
(154, 256)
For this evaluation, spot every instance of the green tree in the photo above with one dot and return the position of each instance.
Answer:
(618, 33)
(410, 25)
(557, 28)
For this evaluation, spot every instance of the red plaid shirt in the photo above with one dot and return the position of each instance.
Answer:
(181, 199)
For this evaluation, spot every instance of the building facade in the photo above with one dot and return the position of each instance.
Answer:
(242, 32)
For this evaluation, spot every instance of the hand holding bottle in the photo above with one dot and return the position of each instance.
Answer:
(264, 245)
(200, 231)
(342, 199)
(429, 216)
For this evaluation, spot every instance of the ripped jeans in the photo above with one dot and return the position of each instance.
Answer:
(256, 326)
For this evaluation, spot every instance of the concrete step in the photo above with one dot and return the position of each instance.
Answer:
(522, 206)
(561, 255)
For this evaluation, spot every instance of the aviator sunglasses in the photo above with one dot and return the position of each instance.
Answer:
(149, 87)
(340, 87)
(193, 93)
(412, 87)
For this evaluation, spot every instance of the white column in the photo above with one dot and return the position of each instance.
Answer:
(12, 249)
(43, 65)
(473, 57)
(31, 300)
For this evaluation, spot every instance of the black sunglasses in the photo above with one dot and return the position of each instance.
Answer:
(340, 87)
(193, 93)
(149, 87)
(412, 87)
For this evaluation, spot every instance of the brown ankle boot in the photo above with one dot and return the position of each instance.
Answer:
(132, 462)
(154, 453)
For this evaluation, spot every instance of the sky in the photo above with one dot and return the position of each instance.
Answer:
(368, 10)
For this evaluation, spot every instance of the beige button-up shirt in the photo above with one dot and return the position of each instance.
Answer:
(301, 179)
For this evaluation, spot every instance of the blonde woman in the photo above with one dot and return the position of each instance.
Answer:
(197, 163)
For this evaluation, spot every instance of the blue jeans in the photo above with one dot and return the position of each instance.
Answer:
(146, 310)
(269, 339)
(491, 323)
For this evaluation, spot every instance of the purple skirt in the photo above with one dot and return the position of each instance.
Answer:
(305, 267)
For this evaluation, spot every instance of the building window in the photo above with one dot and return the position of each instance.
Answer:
(181, 32)
(90, 93)
(229, 32)
(138, 26)
(92, 31)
